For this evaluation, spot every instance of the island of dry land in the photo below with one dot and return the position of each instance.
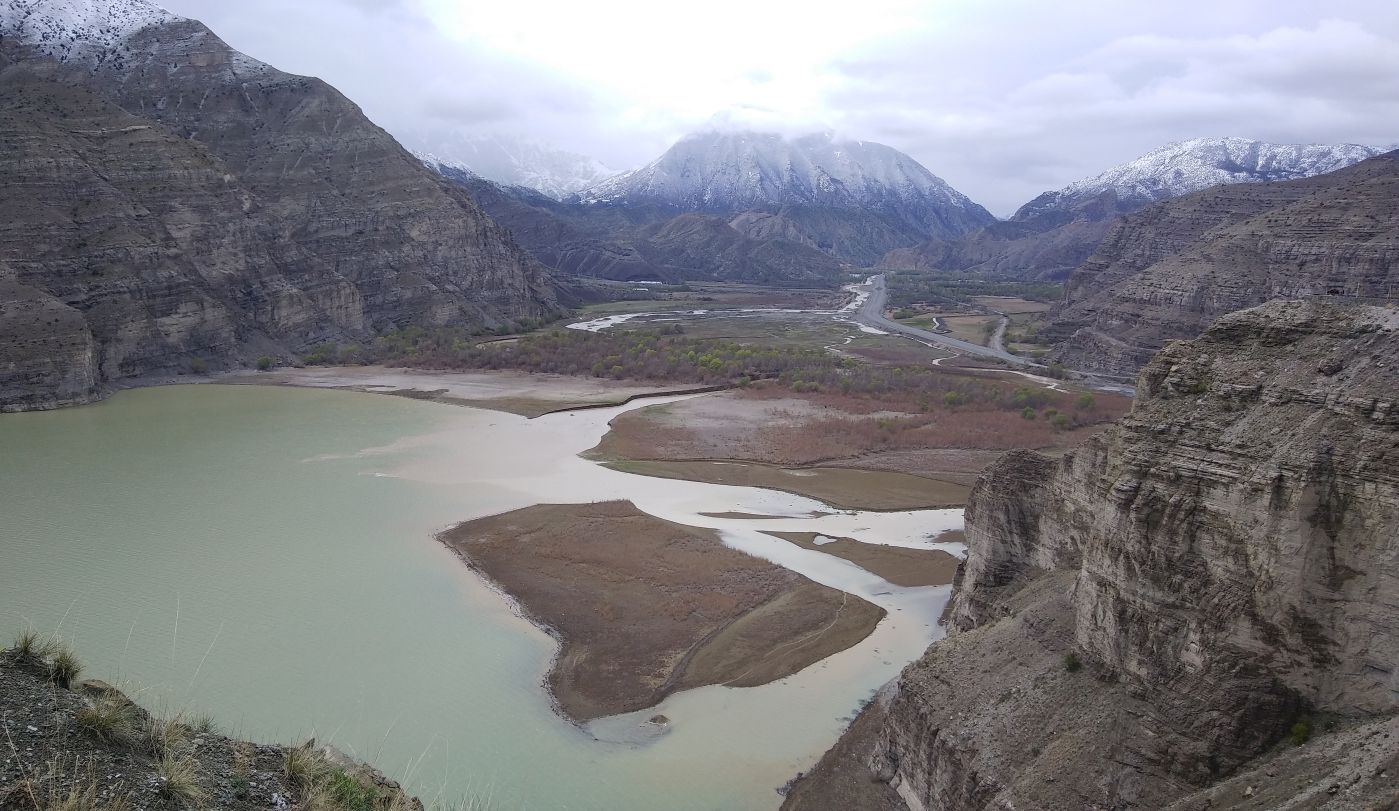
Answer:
(899, 565)
(696, 612)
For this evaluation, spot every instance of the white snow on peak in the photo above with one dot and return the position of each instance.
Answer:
(78, 29)
(739, 170)
(1188, 166)
(508, 160)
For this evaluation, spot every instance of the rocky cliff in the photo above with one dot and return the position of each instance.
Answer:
(1171, 269)
(171, 202)
(1163, 616)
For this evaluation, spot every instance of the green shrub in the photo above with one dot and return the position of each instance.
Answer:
(1027, 413)
(1301, 732)
(1086, 402)
(198, 365)
(264, 363)
(1072, 663)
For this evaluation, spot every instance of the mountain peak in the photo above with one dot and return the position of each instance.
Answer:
(736, 170)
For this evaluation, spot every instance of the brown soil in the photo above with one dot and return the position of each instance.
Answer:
(839, 487)
(645, 607)
(899, 565)
(777, 429)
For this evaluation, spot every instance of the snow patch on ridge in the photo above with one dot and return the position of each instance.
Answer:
(78, 29)
(1188, 166)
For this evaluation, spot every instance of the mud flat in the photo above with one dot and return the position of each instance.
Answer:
(523, 393)
(899, 565)
(840, 487)
(644, 607)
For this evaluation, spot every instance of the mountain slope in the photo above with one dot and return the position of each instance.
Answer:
(1143, 623)
(1057, 231)
(854, 199)
(641, 245)
(170, 199)
(1169, 270)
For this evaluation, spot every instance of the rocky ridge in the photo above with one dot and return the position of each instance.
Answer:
(175, 204)
(1165, 616)
(1169, 270)
(1053, 234)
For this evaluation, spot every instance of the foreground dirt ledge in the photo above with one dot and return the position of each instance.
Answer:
(645, 607)
(86, 746)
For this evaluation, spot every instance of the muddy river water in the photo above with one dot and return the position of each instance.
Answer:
(266, 555)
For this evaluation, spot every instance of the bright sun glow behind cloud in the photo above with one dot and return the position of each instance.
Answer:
(666, 61)
(1002, 98)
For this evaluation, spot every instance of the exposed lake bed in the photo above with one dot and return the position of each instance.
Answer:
(267, 555)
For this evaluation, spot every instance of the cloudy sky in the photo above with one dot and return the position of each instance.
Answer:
(1003, 98)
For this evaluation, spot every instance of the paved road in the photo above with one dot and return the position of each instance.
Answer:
(872, 314)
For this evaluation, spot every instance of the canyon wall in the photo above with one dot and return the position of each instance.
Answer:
(1148, 619)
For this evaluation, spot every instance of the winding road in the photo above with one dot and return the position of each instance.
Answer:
(871, 314)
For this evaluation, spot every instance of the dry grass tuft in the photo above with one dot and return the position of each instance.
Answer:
(179, 780)
(110, 719)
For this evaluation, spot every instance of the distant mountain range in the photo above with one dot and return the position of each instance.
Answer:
(509, 160)
(1057, 231)
(754, 206)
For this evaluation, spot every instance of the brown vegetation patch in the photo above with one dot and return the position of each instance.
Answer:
(645, 607)
(840, 487)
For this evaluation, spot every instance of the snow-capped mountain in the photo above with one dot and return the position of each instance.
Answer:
(78, 29)
(509, 160)
(1188, 166)
(738, 171)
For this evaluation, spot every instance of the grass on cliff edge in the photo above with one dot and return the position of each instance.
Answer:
(108, 728)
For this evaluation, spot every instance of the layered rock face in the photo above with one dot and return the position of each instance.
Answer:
(1142, 621)
(1171, 269)
(169, 199)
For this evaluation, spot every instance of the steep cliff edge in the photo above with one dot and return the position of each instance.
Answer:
(171, 202)
(1169, 270)
(1145, 620)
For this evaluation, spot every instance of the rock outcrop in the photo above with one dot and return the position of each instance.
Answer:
(1169, 270)
(1150, 618)
(172, 203)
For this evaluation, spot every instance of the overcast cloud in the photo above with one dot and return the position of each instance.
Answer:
(1003, 98)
